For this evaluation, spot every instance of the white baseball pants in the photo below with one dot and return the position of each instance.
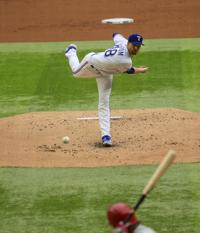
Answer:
(104, 84)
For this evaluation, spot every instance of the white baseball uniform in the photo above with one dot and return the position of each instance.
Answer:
(143, 229)
(102, 66)
(139, 229)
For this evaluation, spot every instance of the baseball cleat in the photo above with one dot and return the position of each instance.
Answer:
(106, 140)
(70, 49)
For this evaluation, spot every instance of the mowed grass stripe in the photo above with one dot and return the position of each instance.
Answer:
(38, 78)
(62, 200)
(43, 82)
(192, 44)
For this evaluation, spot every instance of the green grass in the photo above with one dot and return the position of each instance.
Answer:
(67, 200)
(36, 77)
(58, 47)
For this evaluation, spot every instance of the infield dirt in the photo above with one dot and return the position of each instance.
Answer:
(61, 20)
(140, 137)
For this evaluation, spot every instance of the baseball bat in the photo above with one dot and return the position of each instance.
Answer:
(164, 165)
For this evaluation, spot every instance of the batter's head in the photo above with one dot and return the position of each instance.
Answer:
(135, 39)
(118, 213)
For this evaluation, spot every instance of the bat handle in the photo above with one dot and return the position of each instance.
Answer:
(143, 196)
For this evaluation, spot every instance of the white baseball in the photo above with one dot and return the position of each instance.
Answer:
(65, 139)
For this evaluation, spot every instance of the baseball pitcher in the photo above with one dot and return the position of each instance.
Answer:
(117, 215)
(103, 66)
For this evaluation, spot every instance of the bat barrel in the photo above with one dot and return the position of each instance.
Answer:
(164, 165)
(166, 162)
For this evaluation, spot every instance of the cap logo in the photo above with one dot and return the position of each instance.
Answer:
(139, 38)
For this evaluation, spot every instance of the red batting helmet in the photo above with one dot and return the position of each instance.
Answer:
(119, 212)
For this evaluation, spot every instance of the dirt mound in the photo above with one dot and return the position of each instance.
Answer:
(139, 137)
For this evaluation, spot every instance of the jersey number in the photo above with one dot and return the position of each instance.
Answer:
(110, 52)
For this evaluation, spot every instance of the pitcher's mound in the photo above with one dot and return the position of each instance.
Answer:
(139, 137)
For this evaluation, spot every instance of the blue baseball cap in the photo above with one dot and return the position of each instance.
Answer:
(135, 39)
